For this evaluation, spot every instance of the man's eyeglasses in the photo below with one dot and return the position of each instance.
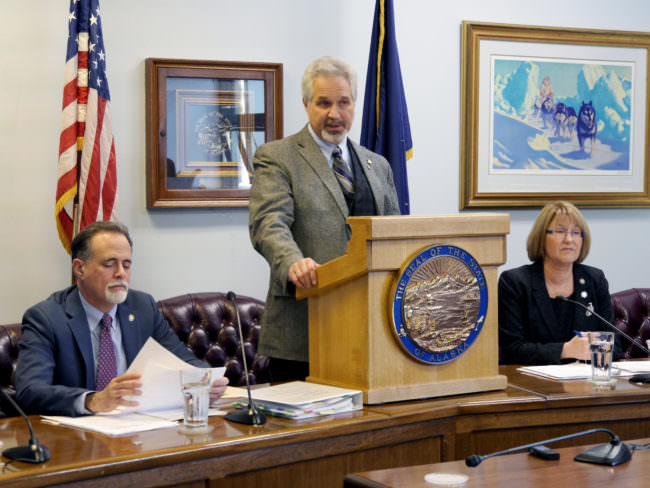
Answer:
(562, 233)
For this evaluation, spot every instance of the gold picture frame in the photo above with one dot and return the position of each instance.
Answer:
(518, 149)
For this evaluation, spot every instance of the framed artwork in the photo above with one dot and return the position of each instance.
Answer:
(550, 113)
(205, 120)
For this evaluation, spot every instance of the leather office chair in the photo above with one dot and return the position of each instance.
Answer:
(632, 316)
(207, 323)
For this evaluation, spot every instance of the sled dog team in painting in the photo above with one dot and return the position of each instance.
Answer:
(563, 119)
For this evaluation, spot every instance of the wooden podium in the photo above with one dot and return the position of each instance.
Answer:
(351, 343)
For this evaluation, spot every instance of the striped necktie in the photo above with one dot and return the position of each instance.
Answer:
(341, 171)
(107, 363)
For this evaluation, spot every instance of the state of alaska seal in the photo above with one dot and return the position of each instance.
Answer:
(439, 303)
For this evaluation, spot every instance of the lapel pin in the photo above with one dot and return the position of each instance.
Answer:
(369, 164)
(131, 317)
(582, 281)
(583, 294)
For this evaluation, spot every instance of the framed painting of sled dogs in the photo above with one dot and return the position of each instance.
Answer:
(550, 113)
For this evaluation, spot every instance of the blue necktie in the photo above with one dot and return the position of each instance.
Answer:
(341, 171)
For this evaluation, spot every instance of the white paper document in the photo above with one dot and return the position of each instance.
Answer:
(161, 402)
(126, 423)
(581, 371)
(161, 388)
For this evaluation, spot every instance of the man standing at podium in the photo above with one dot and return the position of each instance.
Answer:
(304, 187)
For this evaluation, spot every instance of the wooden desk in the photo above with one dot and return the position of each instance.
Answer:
(517, 470)
(319, 452)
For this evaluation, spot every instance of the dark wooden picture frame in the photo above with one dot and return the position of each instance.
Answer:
(204, 121)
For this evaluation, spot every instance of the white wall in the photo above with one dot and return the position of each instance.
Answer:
(178, 251)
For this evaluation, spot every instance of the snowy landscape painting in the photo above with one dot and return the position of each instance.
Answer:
(560, 116)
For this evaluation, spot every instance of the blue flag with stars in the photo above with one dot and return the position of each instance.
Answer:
(385, 126)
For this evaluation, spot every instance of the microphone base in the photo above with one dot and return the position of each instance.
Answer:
(607, 454)
(27, 454)
(246, 416)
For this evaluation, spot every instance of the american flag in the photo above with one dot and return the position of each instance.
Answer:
(86, 149)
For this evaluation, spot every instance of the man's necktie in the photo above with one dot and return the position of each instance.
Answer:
(341, 171)
(106, 364)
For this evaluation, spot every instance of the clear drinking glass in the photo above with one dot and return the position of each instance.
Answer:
(195, 387)
(601, 346)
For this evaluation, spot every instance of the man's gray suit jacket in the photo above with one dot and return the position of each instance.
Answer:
(297, 210)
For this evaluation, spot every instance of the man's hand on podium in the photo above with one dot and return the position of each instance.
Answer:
(303, 273)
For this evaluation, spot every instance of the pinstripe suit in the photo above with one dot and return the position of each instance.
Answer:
(297, 210)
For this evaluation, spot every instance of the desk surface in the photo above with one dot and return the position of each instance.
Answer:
(510, 470)
(323, 450)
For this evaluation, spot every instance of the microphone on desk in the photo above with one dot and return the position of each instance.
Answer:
(250, 415)
(590, 310)
(637, 378)
(611, 454)
(34, 453)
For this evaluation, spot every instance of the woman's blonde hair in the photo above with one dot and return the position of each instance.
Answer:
(537, 236)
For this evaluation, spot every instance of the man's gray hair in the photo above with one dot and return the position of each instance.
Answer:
(328, 66)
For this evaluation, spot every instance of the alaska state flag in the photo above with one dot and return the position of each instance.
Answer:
(385, 126)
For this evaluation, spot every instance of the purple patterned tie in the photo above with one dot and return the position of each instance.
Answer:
(341, 171)
(107, 364)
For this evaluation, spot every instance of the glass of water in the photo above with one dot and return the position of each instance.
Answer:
(195, 387)
(601, 346)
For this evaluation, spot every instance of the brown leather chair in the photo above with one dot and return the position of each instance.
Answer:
(9, 336)
(206, 322)
(632, 316)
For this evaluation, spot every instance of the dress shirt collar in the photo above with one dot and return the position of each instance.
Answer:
(327, 148)
(94, 315)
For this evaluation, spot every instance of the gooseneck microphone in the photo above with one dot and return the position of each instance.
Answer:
(590, 310)
(611, 454)
(250, 416)
(35, 452)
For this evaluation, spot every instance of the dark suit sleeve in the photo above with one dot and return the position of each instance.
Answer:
(519, 330)
(35, 390)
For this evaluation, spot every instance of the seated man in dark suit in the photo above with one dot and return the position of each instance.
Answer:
(77, 344)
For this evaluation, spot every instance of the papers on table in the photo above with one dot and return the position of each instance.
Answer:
(113, 424)
(581, 371)
(300, 400)
(161, 402)
(161, 389)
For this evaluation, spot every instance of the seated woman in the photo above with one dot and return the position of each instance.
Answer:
(535, 325)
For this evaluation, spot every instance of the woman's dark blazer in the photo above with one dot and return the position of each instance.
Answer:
(529, 332)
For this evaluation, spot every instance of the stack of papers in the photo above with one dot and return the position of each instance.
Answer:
(300, 400)
(581, 371)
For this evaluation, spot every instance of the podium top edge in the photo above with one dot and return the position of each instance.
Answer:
(393, 226)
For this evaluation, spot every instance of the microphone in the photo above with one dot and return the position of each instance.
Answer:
(34, 453)
(590, 310)
(637, 378)
(250, 416)
(611, 454)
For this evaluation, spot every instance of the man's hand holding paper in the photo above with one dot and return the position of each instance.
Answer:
(151, 370)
